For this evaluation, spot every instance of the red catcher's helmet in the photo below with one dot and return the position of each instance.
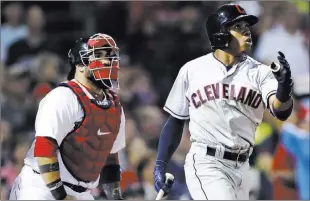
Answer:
(101, 55)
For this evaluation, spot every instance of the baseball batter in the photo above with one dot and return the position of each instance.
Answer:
(223, 95)
(79, 130)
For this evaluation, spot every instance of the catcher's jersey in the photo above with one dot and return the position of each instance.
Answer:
(57, 114)
(223, 106)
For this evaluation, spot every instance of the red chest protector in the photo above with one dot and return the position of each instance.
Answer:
(85, 149)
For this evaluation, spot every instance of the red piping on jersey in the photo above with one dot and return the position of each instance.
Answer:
(45, 147)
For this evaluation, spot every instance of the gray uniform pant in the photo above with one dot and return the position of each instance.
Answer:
(214, 178)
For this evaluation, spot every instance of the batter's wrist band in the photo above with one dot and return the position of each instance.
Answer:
(282, 115)
(57, 189)
(283, 93)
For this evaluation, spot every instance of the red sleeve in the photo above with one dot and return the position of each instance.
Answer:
(45, 147)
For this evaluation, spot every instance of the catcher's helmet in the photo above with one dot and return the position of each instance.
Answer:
(74, 55)
(93, 52)
(218, 22)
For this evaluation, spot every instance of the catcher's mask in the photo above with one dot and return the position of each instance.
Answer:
(102, 59)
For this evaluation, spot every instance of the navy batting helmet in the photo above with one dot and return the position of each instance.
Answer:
(218, 22)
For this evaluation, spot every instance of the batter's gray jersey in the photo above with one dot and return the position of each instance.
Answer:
(223, 107)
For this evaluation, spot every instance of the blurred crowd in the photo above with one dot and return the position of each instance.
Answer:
(155, 39)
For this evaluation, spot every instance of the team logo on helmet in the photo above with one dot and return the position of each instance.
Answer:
(240, 10)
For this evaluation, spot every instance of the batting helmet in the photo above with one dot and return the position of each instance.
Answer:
(94, 52)
(218, 22)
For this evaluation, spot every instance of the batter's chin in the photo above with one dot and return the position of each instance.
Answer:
(247, 47)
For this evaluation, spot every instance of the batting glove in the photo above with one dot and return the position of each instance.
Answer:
(160, 178)
(283, 76)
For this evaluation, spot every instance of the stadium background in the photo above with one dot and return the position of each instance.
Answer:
(156, 39)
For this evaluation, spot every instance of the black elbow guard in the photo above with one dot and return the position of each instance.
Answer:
(110, 173)
(282, 115)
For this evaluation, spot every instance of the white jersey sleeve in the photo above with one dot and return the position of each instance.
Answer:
(120, 141)
(268, 83)
(177, 103)
(57, 113)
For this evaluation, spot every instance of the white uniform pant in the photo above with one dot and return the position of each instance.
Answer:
(30, 186)
(212, 178)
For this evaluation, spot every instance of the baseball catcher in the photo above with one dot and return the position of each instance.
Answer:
(79, 130)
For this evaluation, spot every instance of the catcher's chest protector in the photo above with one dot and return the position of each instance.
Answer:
(85, 149)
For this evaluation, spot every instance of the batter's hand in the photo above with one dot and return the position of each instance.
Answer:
(283, 74)
(160, 178)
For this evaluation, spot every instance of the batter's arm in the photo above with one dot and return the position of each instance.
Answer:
(281, 110)
(282, 103)
(170, 138)
(169, 141)
(110, 178)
